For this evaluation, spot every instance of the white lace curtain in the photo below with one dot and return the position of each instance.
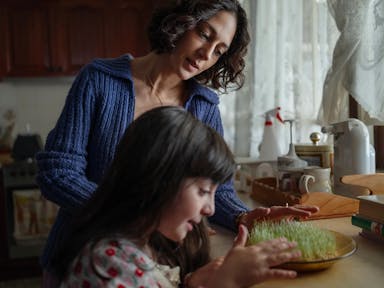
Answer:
(307, 56)
(358, 61)
(290, 53)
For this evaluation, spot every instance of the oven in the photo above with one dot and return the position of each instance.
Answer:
(25, 221)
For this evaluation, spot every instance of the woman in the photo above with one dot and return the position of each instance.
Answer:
(195, 45)
(162, 185)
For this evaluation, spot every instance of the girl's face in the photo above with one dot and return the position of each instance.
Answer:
(200, 48)
(194, 201)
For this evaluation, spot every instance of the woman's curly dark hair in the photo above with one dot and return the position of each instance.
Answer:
(170, 23)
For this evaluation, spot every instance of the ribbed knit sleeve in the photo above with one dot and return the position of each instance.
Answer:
(63, 162)
(227, 204)
(99, 107)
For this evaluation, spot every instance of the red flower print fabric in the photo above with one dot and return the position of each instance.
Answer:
(116, 263)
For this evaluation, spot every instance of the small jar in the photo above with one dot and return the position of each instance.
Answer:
(315, 154)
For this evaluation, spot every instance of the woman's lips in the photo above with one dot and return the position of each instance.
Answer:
(193, 64)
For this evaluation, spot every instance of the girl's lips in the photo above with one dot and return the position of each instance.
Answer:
(190, 226)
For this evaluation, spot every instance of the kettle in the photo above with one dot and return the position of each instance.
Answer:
(26, 146)
(352, 151)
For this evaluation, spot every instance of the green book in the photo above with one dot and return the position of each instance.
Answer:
(371, 225)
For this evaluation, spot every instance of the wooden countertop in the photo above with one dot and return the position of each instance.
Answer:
(365, 268)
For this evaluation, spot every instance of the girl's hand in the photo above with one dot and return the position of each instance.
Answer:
(244, 266)
(201, 276)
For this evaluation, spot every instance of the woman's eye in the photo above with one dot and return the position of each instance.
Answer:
(218, 53)
(204, 35)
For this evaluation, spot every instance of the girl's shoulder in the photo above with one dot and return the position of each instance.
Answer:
(111, 262)
(109, 248)
(122, 257)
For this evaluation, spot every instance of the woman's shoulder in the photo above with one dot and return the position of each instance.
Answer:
(118, 67)
(202, 92)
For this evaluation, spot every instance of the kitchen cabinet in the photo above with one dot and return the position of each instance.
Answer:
(2, 42)
(58, 37)
(78, 37)
(25, 40)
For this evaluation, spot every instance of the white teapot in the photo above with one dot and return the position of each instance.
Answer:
(319, 182)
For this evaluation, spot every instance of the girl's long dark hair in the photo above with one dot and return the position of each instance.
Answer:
(169, 23)
(157, 152)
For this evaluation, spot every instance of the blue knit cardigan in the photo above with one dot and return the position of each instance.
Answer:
(99, 107)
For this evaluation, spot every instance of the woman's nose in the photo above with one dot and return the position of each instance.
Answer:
(206, 52)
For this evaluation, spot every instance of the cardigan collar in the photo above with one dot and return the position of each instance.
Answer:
(120, 67)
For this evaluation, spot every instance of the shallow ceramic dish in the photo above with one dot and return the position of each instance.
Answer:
(345, 246)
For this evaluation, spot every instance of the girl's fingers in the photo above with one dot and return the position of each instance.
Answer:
(278, 244)
(242, 236)
(274, 273)
(280, 274)
(282, 257)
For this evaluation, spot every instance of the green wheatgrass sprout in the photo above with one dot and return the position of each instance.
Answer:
(313, 242)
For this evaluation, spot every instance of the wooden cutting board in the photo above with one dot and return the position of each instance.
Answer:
(374, 182)
(331, 205)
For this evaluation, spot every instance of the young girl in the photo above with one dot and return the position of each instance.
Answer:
(151, 203)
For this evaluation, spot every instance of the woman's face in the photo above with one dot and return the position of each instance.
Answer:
(194, 201)
(200, 48)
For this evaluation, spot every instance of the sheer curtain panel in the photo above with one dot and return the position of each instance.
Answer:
(290, 52)
(358, 62)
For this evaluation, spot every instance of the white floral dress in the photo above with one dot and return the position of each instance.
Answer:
(118, 263)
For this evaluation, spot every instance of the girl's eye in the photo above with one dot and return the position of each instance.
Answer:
(204, 192)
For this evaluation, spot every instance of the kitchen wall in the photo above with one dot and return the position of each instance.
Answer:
(37, 102)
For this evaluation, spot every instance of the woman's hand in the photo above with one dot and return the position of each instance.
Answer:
(244, 266)
(277, 213)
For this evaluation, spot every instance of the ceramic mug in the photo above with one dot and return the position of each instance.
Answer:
(293, 180)
(322, 180)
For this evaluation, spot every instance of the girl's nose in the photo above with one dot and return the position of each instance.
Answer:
(209, 208)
